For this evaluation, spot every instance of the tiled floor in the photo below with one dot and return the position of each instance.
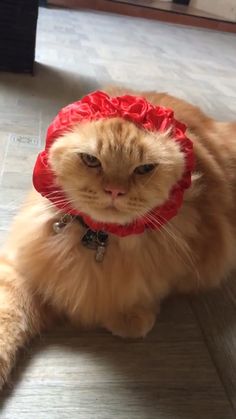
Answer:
(186, 368)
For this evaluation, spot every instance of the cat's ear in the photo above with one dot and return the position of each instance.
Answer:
(196, 176)
(196, 187)
(165, 136)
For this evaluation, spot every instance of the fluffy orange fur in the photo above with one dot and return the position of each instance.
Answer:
(194, 251)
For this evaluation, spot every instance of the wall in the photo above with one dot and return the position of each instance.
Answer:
(225, 9)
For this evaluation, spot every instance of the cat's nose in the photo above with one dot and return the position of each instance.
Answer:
(115, 192)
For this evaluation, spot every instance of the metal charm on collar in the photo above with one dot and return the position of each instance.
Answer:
(59, 225)
(96, 240)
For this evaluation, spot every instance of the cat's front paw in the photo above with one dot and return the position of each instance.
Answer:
(132, 324)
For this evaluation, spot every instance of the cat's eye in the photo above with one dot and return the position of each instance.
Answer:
(90, 161)
(145, 168)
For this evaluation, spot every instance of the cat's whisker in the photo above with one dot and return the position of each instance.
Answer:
(181, 246)
(53, 205)
(151, 176)
(33, 199)
(60, 191)
(56, 202)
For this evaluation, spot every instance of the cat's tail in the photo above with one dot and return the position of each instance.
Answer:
(19, 316)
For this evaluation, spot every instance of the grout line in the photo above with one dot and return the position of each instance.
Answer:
(4, 158)
(211, 355)
(40, 126)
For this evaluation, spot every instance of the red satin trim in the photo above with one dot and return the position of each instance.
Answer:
(99, 105)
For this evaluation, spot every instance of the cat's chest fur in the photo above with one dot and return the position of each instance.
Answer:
(66, 274)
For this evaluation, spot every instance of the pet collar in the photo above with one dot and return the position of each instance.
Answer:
(99, 105)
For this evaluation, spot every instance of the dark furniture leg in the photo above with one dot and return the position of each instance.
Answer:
(18, 21)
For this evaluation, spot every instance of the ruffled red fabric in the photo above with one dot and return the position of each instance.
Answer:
(99, 105)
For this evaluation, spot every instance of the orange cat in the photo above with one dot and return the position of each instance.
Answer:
(195, 250)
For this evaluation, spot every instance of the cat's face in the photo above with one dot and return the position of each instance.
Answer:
(115, 172)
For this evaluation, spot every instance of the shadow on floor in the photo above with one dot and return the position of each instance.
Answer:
(51, 84)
